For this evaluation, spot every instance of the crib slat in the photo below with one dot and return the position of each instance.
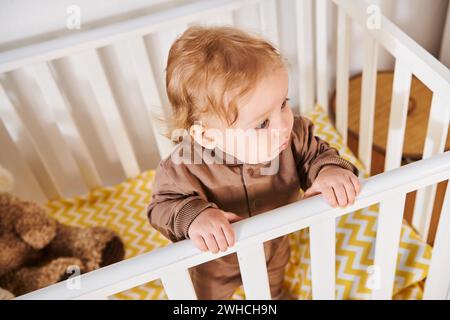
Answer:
(252, 263)
(25, 183)
(22, 139)
(118, 63)
(369, 82)
(178, 284)
(305, 54)
(159, 45)
(437, 285)
(147, 85)
(42, 144)
(268, 15)
(399, 111)
(92, 67)
(322, 53)
(389, 225)
(74, 81)
(434, 144)
(323, 264)
(66, 126)
(342, 73)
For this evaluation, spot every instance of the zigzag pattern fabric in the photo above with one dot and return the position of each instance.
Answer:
(123, 209)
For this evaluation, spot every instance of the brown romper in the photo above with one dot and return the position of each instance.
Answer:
(182, 190)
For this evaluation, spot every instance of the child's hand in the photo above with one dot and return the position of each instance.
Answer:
(338, 186)
(211, 230)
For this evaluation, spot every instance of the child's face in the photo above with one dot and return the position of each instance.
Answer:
(264, 124)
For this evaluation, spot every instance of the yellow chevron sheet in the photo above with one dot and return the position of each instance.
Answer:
(122, 208)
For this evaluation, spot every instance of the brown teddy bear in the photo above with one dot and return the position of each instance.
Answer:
(37, 251)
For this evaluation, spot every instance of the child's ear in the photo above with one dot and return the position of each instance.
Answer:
(201, 136)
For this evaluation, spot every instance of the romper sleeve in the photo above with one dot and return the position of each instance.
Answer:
(176, 200)
(312, 153)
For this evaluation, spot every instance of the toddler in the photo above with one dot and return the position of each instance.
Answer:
(240, 152)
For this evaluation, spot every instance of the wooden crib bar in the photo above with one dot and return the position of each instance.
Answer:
(399, 110)
(322, 237)
(85, 168)
(438, 280)
(437, 129)
(342, 73)
(389, 225)
(305, 55)
(141, 66)
(89, 64)
(252, 263)
(321, 37)
(367, 112)
(178, 284)
(13, 160)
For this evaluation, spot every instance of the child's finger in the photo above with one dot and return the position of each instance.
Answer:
(199, 242)
(310, 192)
(211, 243)
(350, 190)
(228, 231)
(220, 240)
(356, 183)
(341, 195)
(231, 217)
(330, 197)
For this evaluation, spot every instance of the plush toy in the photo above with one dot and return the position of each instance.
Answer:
(6, 185)
(37, 251)
(5, 294)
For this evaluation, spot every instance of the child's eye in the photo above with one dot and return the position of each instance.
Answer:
(284, 103)
(263, 124)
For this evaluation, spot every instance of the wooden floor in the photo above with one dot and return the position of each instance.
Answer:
(378, 167)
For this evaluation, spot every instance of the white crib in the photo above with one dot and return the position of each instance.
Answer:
(98, 142)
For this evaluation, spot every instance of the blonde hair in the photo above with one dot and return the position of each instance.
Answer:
(206, 64)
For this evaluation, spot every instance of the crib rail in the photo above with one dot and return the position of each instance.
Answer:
(103, 36)
(172, 262)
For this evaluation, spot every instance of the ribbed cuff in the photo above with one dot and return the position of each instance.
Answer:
(335, 160)
(188, 213)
